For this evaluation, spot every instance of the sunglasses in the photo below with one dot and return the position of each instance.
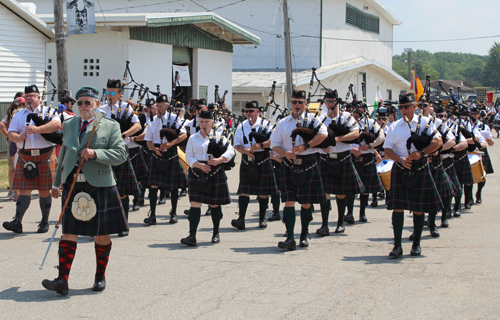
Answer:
(298, 102)
(80, 103)
(406, 107)
(382, 118)
(110, 93)
(329, 101)
(439, 115)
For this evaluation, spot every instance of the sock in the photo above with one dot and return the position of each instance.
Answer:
(102, 258)
(153, 197)
(305, 218)
(216, 213)
(363, 202)
(194, 220)
(289, 219)
(341, 204)
(446, 209)
(45, 205)
(325, 212)
(375, 197)
(126, 205)
(432, 219)
(263, 207)
(275, 200)
(142, 187)
(418, 226)
(22, 204)
(243, 204)
(467, 193)
(458, 198)
(350, 203)
(480, 187)
(397, 225)
(163, 194)
(67, 251)
(174, 198)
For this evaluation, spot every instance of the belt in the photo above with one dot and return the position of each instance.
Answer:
(302, 160)
(459, 154)
(258, 156)
(337, 155)
(170, 153)
(367, 157)
(35, 152)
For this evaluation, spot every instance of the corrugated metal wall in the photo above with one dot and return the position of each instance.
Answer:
(184, 36)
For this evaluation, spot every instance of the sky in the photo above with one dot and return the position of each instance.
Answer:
(445, 19)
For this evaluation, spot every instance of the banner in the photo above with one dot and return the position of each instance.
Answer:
(81, 16)
(379, 99)
(183, 79)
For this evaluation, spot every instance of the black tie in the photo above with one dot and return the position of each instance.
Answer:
(83, 130)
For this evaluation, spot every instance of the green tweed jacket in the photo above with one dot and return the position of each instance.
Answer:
(107, 143)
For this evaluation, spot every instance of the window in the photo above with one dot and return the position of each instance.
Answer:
(389, 94)
(362, 20)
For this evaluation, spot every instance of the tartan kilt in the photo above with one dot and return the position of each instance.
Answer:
(138, 163)
(125, 179)
(265, 185)
(311, 192)
(46, 164)
(277, 173)
(173, 178)
(369, 176)
(347, 182)
(463, 170)
(488, 166)
(450, 170)
(220, 190)
(444, 186)
(109, 219)
(421, 198)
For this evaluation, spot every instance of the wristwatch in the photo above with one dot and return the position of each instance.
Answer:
(123, 136)
(422, 153)
(306, 145)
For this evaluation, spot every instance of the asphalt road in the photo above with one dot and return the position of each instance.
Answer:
(246, 276)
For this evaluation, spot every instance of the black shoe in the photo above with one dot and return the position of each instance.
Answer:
(303, 240)
(434, 232)
(209, 211)
(457, 214)
(397, 252)
(99, 283)
(323, 231)
(340, 229)
(151, 219)
(415, 251)
(467, 205)
(183, 193)
(381, 195)
(448, 214)
(349, 218)
(412, 237)
(215, 238)
(478, 199)
(238, 223)
(135, 207)
(262, 223)
(186, 212)
(13, 226)
(362, 217)
(173, 218)
(374, 203)
(162, 201)
(275, 217)
(288, 244)
(141, 202)
(190, 241)
(43, 227)
(123, 233)
(426, 223)
(58, 285)
(444, 223)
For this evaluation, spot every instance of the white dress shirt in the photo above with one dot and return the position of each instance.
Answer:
(153, 132)
(245, 126)
(197, 146)
(33, 141)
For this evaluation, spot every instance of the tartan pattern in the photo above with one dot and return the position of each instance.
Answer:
(311, 192)
(277, 174)
(125, 179)
(220, 190)
(443, 182)
(138, 163)
(109, 219)
(422, 198)
(464, 171)
(46, 163)
(347, 182)
(173, 178)
(448, 162)
(369, 176)
(265, 185)
(488, 166)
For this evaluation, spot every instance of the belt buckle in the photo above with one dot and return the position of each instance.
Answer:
(332, 155)
(297, 162)
(35, 153)
(81, 178)
(358, 159)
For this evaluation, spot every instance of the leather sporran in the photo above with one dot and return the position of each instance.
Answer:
(333, 167)
(204, 186)
(162, 165)
(253, 172)
(298, 177)
(30, 170)
(409, 179)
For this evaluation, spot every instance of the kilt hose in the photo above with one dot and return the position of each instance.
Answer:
(346, 182)
(109, 219)
(125, 179)
(139, 164)
(311, 192)
(265, 184)
(443, 183)
(166, 172)
(46, 164)
(463, 169)
(217, 179)
(367, 171)
(488, 166)
(449, 167)
(423, 197)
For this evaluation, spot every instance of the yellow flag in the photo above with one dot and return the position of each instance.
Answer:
(416, 85)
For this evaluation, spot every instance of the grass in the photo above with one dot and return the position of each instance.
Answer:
(4, 174)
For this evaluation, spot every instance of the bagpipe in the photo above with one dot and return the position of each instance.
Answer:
(341, 128)
(217, 147)
(420, 140)
(171, 130)
(368, 134)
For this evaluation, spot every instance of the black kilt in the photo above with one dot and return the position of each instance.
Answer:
(311, 192)
(219, 194)
(450, 170)
(423, 197)
(264, 185)
(173, 178)
(488, 166)
(367, 171)
(463, 170)
(443, 182)
(109, 219)
(125, 179)
(139, 164)
(277, 173)
(347, 182)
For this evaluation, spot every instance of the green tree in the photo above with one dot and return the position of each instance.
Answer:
(491, 73)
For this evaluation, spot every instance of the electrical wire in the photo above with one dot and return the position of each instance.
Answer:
(394, 41)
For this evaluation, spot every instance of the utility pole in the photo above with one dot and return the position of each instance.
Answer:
(409, 51)
(288, 54)
(62, 64)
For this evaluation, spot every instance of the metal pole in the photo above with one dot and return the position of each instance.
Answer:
(409, 66)
(288, 54)
(62, 65)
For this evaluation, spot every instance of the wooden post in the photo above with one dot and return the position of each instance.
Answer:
(62, 64)
(288, 55)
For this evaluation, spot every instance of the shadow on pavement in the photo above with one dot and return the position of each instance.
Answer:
(13, 294)
(261, 250)
(179, 246)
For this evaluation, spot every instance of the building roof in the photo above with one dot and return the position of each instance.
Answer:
(207, 21)
(259, 80)
(384, 12)
(24, 14)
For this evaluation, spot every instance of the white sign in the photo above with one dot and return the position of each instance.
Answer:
(81, 16)
(182, 73)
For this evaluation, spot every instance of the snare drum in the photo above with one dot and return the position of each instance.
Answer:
(384, 169)
(476, 164)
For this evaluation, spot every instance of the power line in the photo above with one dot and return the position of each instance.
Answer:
(396, 41)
